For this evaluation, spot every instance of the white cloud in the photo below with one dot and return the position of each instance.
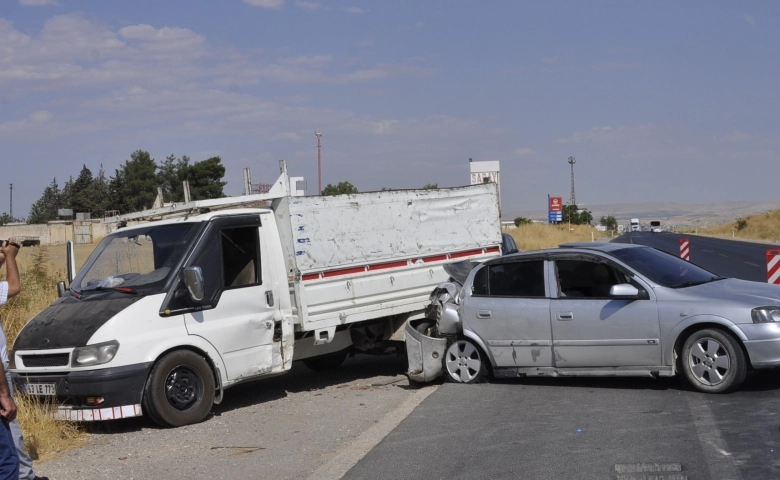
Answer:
(287, 136)
(354, 10)
(522, 152)
(37, 3)
(735, 136)
(749, 19)
(272, 4)
(310, 6)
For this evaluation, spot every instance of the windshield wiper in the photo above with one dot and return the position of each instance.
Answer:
(114, 289)
(701, 282)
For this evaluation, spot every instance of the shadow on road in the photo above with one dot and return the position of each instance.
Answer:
(298, 379)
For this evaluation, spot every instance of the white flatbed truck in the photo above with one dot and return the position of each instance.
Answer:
(184, 302)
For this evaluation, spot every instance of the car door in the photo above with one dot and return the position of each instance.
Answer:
(509, 309)
(239, 315)
(590, 329)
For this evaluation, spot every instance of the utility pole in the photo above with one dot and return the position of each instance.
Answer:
(12, 202)
(573, 198)
(318, 134)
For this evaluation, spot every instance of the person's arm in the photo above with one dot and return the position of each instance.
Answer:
(12, 270)
(7, 405)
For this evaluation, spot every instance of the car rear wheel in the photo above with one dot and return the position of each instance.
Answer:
(713, 361)
(465, 363)
(180, 390)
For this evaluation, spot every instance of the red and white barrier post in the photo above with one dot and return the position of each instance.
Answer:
(685, 249)
(773, 266)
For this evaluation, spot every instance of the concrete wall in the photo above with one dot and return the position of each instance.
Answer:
(55, 233)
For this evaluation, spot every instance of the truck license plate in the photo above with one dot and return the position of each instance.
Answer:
(40, 389)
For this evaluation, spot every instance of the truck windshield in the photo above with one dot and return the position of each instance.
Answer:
(137, 259)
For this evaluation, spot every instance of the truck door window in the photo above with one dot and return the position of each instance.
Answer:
(240, 257)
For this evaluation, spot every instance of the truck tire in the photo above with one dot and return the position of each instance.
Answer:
(326, 362)
(464, 362)
(180, 389)
(713, 361)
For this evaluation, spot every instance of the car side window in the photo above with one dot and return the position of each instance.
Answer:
(511, 279)
(240, 256)
(586, 279)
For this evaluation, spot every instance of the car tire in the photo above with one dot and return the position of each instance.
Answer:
(464, 362)
(326, 362)
(713, 361)
(180, 389)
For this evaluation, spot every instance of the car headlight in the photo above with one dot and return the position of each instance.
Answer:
(766, 314)
(94, 354)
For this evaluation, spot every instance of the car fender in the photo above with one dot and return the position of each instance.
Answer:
(476, 339)
(191, 342)
(674, 334)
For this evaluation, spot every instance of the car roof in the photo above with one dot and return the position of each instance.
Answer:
(601, 246)
(581, 247)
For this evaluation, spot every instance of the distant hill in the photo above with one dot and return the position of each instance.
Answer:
(670, 214)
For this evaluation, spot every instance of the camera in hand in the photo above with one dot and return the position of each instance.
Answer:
(13, 244)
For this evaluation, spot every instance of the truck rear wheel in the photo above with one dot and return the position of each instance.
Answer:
(180, 390)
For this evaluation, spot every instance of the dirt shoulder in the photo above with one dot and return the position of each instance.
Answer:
(283, 427)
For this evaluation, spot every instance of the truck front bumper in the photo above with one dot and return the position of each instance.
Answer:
(88, 395)
(425, 354)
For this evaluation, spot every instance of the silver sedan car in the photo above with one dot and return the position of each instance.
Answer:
(598, 309)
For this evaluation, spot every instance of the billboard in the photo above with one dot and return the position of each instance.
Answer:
(554, 209)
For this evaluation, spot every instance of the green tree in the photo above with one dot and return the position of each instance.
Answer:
(205, 179)
(99, 194)
(80, 195)
(522, 221)
(608, 221)
(140, 181)
(170, 176)
(575, 216)
(45, 208)
(343, 188)
(117, 193)
(431, 186)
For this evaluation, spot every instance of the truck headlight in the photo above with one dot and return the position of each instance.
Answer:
(94, 354)
(766, 314)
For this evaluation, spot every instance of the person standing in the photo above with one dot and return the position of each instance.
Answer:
(10, 288)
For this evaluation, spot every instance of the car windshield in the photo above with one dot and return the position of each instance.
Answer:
(127, 261)
(663, 268)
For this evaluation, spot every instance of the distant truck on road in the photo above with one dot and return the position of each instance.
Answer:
(634, 224)
(655, 226)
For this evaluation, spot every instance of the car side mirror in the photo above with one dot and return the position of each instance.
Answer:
(627, 291)
(193, 279)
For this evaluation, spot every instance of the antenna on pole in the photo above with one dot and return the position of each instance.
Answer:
(318, 134)
(12, 202)
(573, 196)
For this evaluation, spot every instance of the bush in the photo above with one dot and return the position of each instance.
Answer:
(741, 223)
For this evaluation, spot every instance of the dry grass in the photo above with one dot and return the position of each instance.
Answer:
(762, 227)
(536, 236)
(40, 269)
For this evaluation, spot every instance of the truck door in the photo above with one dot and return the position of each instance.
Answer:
(238, 314)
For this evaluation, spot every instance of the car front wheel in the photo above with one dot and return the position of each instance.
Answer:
(713, 361)
(465, 363)
(180, 390)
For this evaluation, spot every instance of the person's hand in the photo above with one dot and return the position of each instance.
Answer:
(7, 407)
(9, 248)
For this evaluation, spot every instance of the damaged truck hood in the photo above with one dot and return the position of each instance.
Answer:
(69, 322)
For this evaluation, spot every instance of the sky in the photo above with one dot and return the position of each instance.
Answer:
(657, 101)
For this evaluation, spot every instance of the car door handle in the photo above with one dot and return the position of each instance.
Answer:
(269, 298)
(565, 316)
(483, 314)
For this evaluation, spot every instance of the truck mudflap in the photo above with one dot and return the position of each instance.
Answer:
(425, 354)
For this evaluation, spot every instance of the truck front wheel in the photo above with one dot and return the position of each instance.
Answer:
(180, 389)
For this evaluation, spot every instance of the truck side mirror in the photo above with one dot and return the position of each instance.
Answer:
(60, 289)
(193, 279)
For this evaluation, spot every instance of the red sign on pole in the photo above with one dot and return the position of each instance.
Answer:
(556, 204)
(685, 249)
(773, 267)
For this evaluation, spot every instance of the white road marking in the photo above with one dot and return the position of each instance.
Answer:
(723, 255)
(753, 264)
(344, 460)
(717, 458)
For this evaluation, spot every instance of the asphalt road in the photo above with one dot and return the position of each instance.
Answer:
(729, 258)
(583, 429)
